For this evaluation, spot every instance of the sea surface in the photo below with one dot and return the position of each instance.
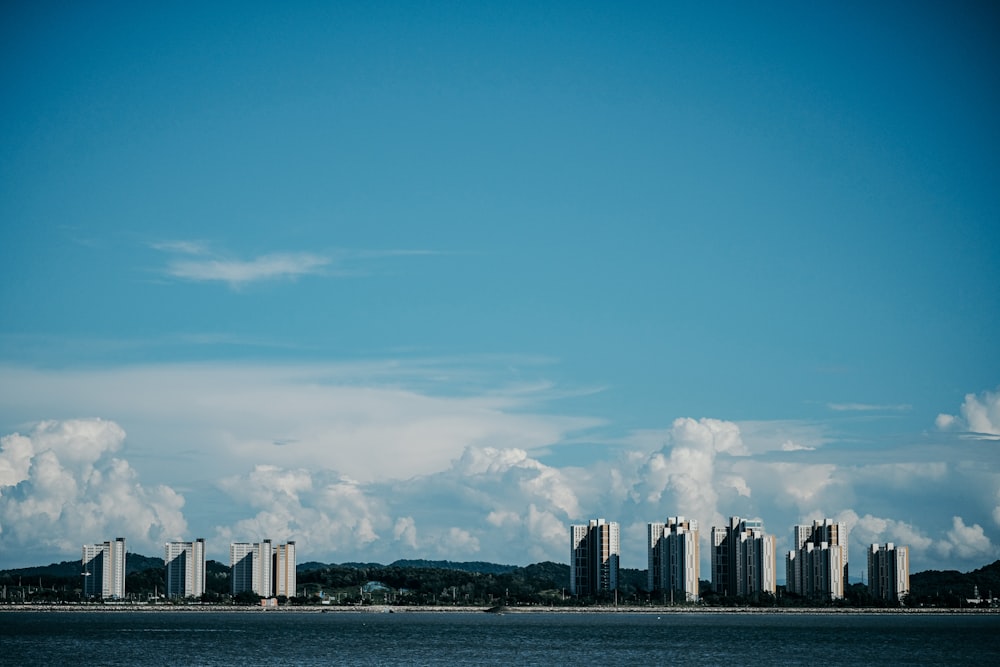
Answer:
(476, 638)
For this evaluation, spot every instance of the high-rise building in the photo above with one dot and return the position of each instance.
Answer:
(262, 568)
(743, 558)
(817, 567)
(104, 569)
(240, 567)
(594, 554)
(185, 564)
(284, 569)
(673, 558)
(889, 571)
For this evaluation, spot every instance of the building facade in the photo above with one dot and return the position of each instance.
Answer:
(284, 570)
(673, 559)
(743, 559)
(889, 572)
(104, 570)
(817, 566)
(185, 565)
(595, 551)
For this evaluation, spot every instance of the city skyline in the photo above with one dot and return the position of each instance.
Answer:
(672, 549)
(438, 281)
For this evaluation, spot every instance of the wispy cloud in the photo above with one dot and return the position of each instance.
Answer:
(868, 407)
(182, 247)
(237, 272)
(196, 261)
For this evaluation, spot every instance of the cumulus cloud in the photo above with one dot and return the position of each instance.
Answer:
(868, 529)
(685, 469)
(61, 486)
(405, 531)
(457, 542)
(978, 414)
(493, 500)
(966, 542)
(320, 510)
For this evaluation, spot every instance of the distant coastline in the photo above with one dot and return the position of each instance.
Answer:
(521, 609)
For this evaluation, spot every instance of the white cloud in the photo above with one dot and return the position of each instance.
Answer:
(804, 484)
(866, 530)
(239, 272)
(323, 415)
(457, 543)
(868, 407)
(765, 436)
(377, 461)
(61, 486)
(194, 261)
(405, 531)
(967, 542)
(789, 446)
(686, 467)
(979, 414)
(322, 512)
(503, 518)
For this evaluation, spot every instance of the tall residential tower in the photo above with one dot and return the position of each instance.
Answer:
(889, 571)
(594, 554)
(104, 569)
(284, 570)
(817, 567)
(185, 564)
(673, 558)
(743, 558)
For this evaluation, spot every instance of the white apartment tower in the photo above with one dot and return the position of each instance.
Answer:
(743, 558)
(104, 569)
(240, 567)
(595, 551)
(185, 564)
(263, 568)
(889, 571)
(284, 570)
(817, 567)
(673, 558)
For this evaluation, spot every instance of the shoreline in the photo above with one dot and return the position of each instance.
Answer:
(416, 609)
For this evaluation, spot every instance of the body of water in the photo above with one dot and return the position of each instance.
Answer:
(289, 638)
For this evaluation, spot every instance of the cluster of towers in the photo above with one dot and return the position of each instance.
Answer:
(743, 557)
(264, 569)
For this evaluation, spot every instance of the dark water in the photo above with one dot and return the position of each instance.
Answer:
(219, 638)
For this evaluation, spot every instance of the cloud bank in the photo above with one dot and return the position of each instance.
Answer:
(380, 471)
(62, 485)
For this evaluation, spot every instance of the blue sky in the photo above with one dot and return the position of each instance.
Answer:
(439, 279)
